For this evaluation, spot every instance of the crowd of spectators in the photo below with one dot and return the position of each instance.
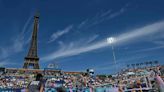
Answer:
(127, 79)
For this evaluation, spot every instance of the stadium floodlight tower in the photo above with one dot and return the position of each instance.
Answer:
(111, 41)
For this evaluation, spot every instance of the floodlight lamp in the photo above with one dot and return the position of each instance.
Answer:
(110, 40)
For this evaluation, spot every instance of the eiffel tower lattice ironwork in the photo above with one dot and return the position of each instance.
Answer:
(32, 59)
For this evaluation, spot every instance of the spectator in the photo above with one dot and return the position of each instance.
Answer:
(37, 85)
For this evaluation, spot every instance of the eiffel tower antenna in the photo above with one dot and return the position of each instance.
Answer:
(32, 58)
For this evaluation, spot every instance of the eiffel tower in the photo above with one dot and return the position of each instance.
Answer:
(32, 59)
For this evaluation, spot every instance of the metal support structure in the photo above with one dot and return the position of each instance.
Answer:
(32, 58)
(114, 57)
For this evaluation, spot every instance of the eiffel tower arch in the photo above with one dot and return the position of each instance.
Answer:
(32, 59)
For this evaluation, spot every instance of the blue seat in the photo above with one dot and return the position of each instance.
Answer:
(50, 90)
(100, 89)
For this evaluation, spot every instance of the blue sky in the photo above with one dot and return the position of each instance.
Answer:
(73, 33)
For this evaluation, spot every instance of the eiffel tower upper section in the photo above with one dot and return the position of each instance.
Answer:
(33, 46)
(32, 58)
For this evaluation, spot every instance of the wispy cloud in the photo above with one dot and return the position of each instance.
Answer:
(101, 17)
(6, 62)
(15, 47)
(132, 35)
(121, 62)
(159, 42)
(3, 53)
(158, 45)
(151, 49)
(76, 44)
(139, 33)
(73, 48)
(97, 19)
(17, 43)
(3, 63)
(91, 39)
(60, 33)
(26, 26)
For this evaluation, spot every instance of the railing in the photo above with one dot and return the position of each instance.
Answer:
(137, 89)
(106, 84)
(84, 90)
